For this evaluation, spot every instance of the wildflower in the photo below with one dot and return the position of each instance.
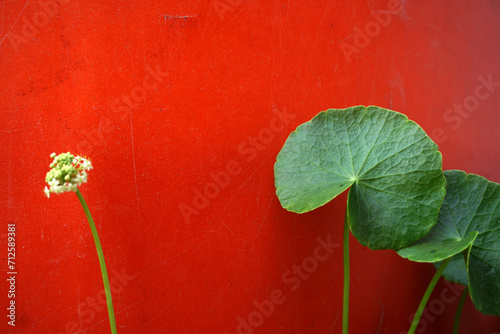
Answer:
(67, 173)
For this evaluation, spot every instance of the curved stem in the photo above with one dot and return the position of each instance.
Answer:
(100, 254)
(427, 295)
(459, 310)
(345, 310)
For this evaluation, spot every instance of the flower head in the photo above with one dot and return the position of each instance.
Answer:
(67, 173)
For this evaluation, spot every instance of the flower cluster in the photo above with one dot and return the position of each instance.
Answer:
(67, 173)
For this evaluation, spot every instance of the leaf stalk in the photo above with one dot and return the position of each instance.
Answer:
(461, 303)
(427, 294)
(100, 255)
(345, 309)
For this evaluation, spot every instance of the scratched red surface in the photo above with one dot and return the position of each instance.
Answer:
(182, 107)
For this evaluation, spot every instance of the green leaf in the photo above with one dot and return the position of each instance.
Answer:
(456, 270)
(471, 207)
(438, 245)
(392, 167)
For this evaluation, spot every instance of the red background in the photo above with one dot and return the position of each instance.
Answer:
(230, 63)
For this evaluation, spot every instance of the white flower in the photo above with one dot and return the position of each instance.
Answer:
(67, 173)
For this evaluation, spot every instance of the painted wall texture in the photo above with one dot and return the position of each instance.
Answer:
(182, 107)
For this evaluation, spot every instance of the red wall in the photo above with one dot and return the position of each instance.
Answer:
(163, 96)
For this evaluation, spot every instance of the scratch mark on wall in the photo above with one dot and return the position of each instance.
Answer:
(22, 11)
(237, 191)
(264, 218)
(318, 29)
(287, 10)
(259, 279)
(135, 172)
(381, 316)
(334, 322)
(177, 17)
(79, 301)
(222, 292)
(227, 227)
(3, 11)
(73, 81)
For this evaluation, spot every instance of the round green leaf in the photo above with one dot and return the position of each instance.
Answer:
(391, 165)
(471, 208)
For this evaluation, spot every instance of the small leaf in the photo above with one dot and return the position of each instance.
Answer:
(437, 246)
(391, 165)
(470, 215)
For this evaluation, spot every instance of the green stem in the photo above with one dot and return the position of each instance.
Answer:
(345, 310)
(107, 289)
(459, 310)
(427, 295)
